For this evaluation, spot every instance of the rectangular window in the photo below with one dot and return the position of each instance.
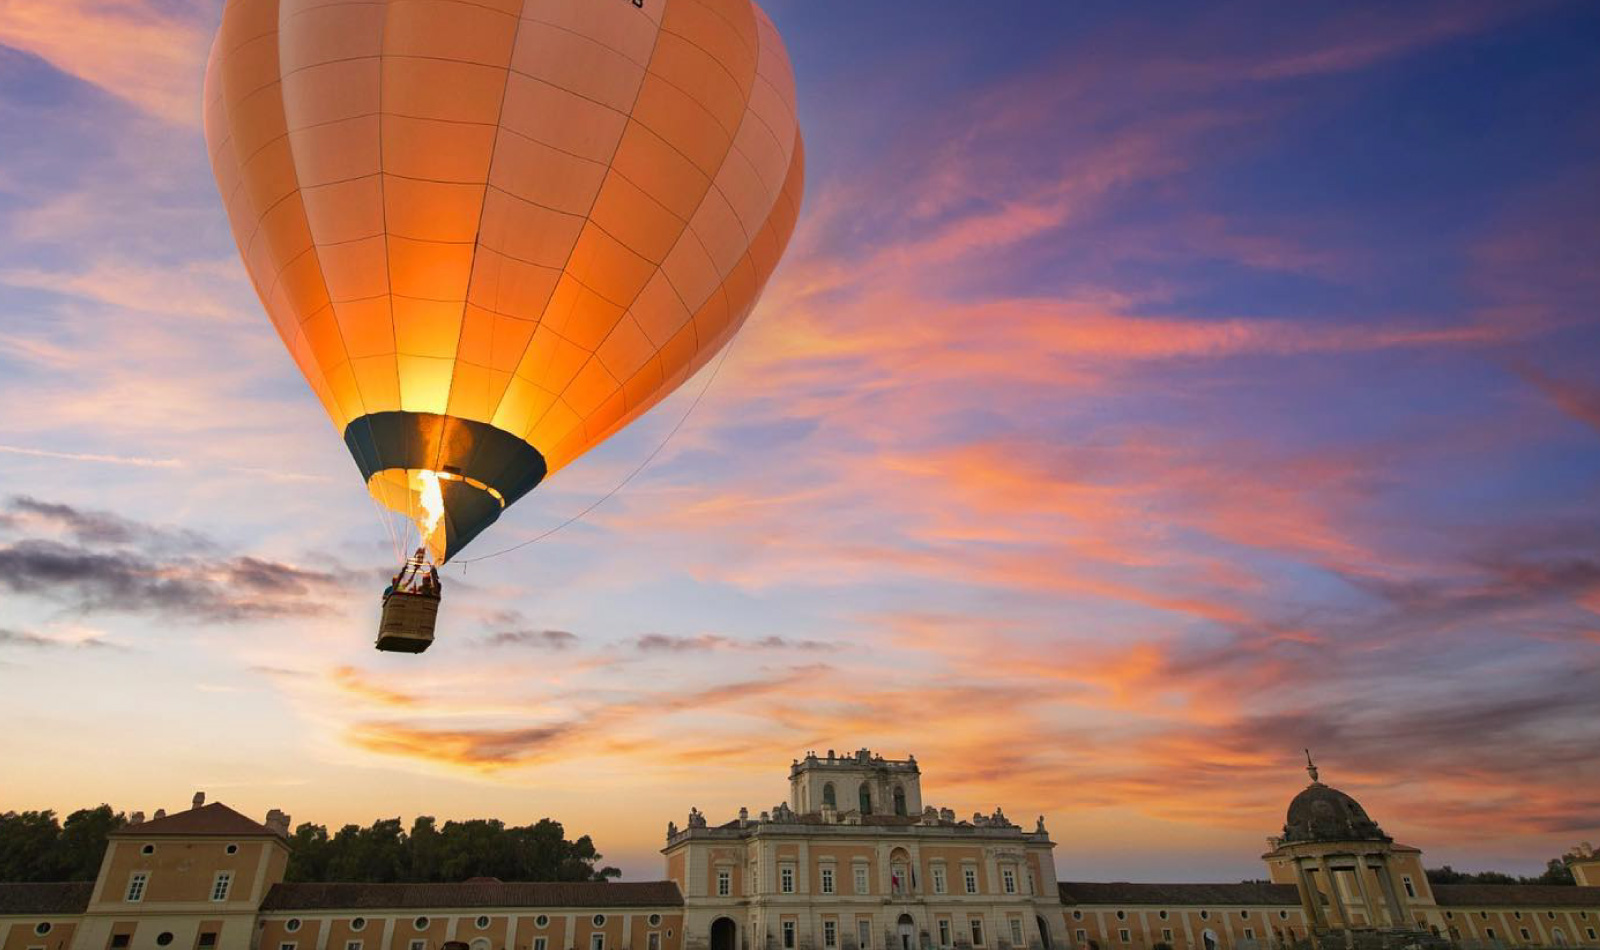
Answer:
(944, 933)
(862, 884)
(1083, 937)
(1525, 934)
(136, 885)
(597, 941)
(788, 935)
(120, 941)
(287, 946)
(786, 880)
(977, 931)
(971, 877)
(207, 940)
(1008, 879)
(1016, 932)
(830, 934)
(654, 942)
(827, 880)
(418, 945)
(1249, 933)
(1591, 933)
(1411, 889)
(1166, 935)
(724, 882)
(864, 933)
(1489, 931)
(939, 885)
(1124, 936)
(541, 943)
(352, 945)
(219, 886)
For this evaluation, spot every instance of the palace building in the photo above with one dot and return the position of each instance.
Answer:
(853, 860)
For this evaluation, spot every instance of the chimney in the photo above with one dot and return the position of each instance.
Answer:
(137, 818)
(278, 822)
(199, 799)
(161, 813)
(744, 816)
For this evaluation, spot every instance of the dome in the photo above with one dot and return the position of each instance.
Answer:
(1323, 813)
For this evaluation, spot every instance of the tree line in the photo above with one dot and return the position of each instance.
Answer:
(1556, 871)
(37, 846)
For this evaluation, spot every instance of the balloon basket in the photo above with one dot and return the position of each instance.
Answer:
(407, 624)
(410, 607)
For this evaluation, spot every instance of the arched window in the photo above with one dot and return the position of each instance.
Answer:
(865, 794)
(828, 799)
(899, 800)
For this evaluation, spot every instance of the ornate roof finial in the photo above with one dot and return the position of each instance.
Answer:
(1311, 767)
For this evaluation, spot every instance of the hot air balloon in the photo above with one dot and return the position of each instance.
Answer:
(491, 233)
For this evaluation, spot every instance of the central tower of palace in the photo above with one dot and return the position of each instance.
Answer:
(861, 782)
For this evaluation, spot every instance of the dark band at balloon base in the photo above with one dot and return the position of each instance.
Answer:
(483, 469)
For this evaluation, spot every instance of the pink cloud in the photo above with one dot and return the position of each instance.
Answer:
(148, 54)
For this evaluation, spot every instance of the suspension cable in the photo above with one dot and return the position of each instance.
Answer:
(626, 479)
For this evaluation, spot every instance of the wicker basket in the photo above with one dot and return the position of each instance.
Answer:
(407, 624)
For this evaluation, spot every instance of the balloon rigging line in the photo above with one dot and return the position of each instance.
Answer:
(628, 478)
(388, 524)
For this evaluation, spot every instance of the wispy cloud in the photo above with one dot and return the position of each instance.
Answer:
(149, 54)
(111, 564)
(37, 641)
(710, 642)
(534, 639)
(133, 460)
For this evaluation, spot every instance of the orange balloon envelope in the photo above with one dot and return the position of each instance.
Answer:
(493, 232)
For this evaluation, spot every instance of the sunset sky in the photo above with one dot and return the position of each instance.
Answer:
(1150, 391)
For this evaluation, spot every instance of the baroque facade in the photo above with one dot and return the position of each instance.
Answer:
(852, 860)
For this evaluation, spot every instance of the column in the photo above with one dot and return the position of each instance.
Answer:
(1334, 899)
(1391, 898)
(1399, 893)
(1367, 905)
(1310, 903)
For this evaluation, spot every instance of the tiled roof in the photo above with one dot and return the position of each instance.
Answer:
(284, 897)
(1251, 894)
(45, 900)
(213, 819)
(1515, 895)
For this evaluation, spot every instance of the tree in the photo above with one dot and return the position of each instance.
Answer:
(1556, 872)
(455, 851)
(82, 842)
(35, 847)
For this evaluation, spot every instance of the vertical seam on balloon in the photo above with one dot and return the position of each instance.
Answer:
(483, 207)
(333, 313)
(260, 215)
(299, 193)
(654, 43)
(726, 336)
(688, 225)
(388, 271)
